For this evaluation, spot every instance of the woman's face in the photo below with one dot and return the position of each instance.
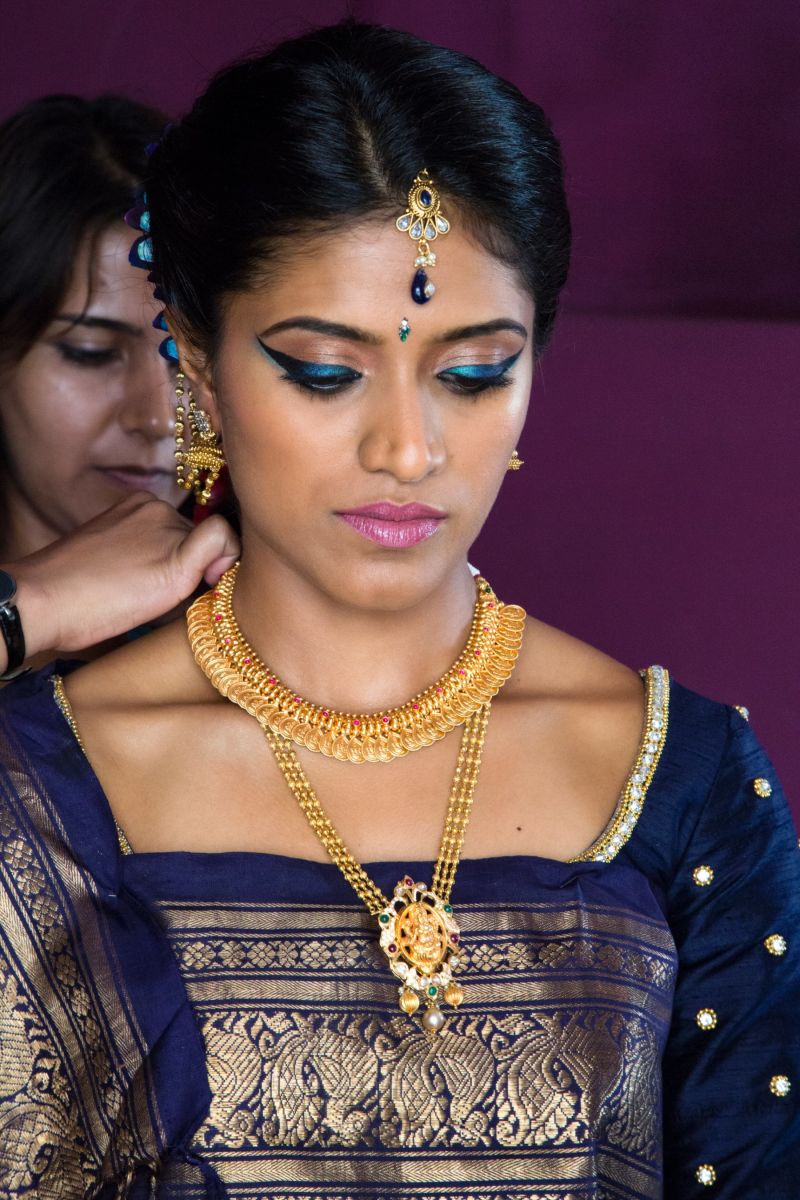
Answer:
(86, 416)
(333, 426)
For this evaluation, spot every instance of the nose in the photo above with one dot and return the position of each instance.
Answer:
(403, 434)
(148, 405)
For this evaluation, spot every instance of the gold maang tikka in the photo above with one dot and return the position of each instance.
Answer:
(198, 467)
(423, 221)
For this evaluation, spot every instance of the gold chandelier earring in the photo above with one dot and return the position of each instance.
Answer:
(197, 468)
(515, 462)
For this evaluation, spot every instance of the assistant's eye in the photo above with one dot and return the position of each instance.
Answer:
(311, 376)
(83, 356)
(474, 378)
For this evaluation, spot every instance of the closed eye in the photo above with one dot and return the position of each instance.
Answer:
(85, 357)
(473, 378)
(311, 376)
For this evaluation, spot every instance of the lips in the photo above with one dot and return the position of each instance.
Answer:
(134, 477)
(397, 526)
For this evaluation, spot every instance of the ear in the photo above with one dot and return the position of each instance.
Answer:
(197, 370)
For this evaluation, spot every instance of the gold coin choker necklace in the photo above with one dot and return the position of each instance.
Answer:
(237, 672)
(418, 931)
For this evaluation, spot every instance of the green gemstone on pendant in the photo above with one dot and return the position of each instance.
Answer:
(448, 908)
(433, 991)
(384, 920)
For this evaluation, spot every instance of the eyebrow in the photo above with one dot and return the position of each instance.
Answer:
(330, 328)
(353, 334)
(487, 327)
(100, 323)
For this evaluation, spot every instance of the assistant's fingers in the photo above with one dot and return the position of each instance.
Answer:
(209, 550)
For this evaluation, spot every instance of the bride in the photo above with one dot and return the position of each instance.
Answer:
(361, 881)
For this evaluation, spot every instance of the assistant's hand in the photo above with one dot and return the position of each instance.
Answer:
(128, 566)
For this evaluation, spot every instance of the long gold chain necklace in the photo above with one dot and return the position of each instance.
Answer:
(418, 931)
(237, 672)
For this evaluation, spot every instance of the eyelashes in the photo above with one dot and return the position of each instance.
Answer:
(83, 357)
(479, 377)
(313, 376)
(331, 378)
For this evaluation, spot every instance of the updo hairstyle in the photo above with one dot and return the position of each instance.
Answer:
(330, 129)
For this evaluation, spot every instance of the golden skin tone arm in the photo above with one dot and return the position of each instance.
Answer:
(130, 565)
(354, 624)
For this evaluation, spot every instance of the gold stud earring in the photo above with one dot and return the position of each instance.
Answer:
(515, 462)
(196, 468)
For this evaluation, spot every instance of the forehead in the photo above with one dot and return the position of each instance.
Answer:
(362, 274)
(103, 279)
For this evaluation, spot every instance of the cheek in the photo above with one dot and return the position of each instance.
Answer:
(49, 415)
(283, 444)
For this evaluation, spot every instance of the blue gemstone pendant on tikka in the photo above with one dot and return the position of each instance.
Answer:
(421, 288)
(423, 222)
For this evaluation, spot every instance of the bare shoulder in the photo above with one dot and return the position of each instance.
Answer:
(566, 733)
(134, 702)
(555, 664)
(152, 671)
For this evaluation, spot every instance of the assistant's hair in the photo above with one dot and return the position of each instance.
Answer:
(68, 168)
(330, 128)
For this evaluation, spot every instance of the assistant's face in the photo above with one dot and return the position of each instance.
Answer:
(366, 463)
(87, 415)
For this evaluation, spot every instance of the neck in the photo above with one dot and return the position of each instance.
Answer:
(350, 658)
(22, 529)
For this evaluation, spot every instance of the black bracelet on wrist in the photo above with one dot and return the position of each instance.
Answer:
(11, 627)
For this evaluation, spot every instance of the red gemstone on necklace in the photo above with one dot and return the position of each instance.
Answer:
(416, 706)
(227, 641)
(325, 712)
(490, 606)
(453, 937)
(356, 721)
(462, 671)
(273, 679)
(393, 949)
(408, 881)
(218, 616)
(386, 720)
(297, 700)
(439, 691)
(248, 661)
(477, 651)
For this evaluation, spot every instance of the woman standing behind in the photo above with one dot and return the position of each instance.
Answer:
(85, 401)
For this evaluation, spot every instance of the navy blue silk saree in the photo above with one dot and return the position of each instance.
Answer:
(193, 1025)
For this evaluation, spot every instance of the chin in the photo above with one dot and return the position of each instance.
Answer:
(395, 581)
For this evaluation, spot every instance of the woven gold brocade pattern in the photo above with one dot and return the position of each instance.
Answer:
(315, 1077)
(73, 1104)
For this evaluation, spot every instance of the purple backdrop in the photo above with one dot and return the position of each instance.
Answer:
(656, 512)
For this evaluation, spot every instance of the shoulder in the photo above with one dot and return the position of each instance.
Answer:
(136, 700)
(577, 692)
(567, 729)
(715, 791)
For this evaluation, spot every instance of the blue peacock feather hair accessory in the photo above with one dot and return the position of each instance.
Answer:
(141, 255)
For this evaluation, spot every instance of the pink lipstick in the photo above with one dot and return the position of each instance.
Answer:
(394, 525)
